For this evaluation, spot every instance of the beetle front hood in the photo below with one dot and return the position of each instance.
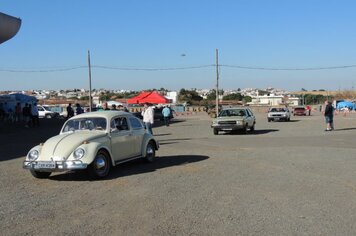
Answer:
(64, 144)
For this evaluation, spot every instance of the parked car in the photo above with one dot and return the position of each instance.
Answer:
(278, 114)
(95, 141)
(233, 119)
(46, 112)
(299, 111)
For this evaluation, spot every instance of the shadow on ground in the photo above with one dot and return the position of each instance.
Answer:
(344, 129)
(255, 132)
(134, 167)
(159, 123)
(16, 140)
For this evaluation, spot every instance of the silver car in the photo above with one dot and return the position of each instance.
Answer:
(233, 119)
(278, 114)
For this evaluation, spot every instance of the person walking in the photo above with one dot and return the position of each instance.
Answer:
(148, 117)
(166, 112)
(329, 116)
(70, 111)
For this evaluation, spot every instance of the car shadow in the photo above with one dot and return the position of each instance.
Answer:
(283, 121)
(255, 132)
(135, 167)
(162, 134)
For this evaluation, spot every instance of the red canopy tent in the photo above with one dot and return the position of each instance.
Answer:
(149, 97)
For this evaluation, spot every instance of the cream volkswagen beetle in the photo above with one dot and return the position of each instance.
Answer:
(95, 141)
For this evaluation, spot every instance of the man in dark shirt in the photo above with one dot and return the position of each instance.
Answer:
(329, 116)
(70, 111)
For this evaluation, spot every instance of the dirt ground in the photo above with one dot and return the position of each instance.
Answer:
(286, 178)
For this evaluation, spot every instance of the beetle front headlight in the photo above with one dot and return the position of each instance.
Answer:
(33, 155)
(78, 153)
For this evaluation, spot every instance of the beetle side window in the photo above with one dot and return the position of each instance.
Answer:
(135, 123)
(119, 123)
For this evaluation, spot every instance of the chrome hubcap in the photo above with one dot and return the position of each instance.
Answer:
(149, 150)
(100, 163)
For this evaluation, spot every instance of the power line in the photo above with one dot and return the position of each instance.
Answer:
(295, 69)
(70, 68)
(42, 70)
(151, 69)
(101, 67)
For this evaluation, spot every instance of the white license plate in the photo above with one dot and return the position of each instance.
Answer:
(276, 118)
(45, 165)
(227, 129)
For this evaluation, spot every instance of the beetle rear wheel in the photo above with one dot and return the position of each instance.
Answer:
(40, 175)
(100, 167)
(150, 152)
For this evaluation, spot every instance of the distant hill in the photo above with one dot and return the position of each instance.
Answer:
(324, 93)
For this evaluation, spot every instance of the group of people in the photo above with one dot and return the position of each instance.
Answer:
(148, 116)
(147, 113)
(28, 114)
(105, 107)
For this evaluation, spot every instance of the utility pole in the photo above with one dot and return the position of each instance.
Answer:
(217, 83)
(89, 66)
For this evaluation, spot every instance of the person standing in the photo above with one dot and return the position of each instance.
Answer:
(329, 116)
(26, 112)
(34, 115)
(104, 107)
(18, 112)
(148, 117)
(79, 109)
(166, 112)
(70, 111)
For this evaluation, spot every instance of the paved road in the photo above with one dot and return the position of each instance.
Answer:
(287, 178)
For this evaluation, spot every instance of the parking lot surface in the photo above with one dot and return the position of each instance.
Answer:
(286, 178)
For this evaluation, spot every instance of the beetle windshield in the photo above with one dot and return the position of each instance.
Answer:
(89, 123)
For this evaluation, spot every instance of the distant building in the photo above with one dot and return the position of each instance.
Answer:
(271, 100)
(173, 95)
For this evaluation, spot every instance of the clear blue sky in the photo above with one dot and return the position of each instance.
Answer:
(154, 34)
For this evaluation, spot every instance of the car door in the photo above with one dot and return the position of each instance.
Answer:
(122, 139)
(138, 132)
(250, 118)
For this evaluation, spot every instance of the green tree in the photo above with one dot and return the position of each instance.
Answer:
(247, 99)
(233, 96)
(189, 96)
(212, 94)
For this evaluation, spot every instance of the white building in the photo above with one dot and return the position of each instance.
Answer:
(272, 100)
(172, 95)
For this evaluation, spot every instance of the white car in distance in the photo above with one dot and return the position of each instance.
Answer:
(45, 112)
(278, 114)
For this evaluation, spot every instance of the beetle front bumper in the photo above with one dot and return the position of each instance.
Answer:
(53, 166)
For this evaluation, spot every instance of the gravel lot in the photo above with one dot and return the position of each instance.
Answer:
(286, 178)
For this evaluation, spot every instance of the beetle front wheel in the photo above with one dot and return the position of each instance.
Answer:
(100, 167)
